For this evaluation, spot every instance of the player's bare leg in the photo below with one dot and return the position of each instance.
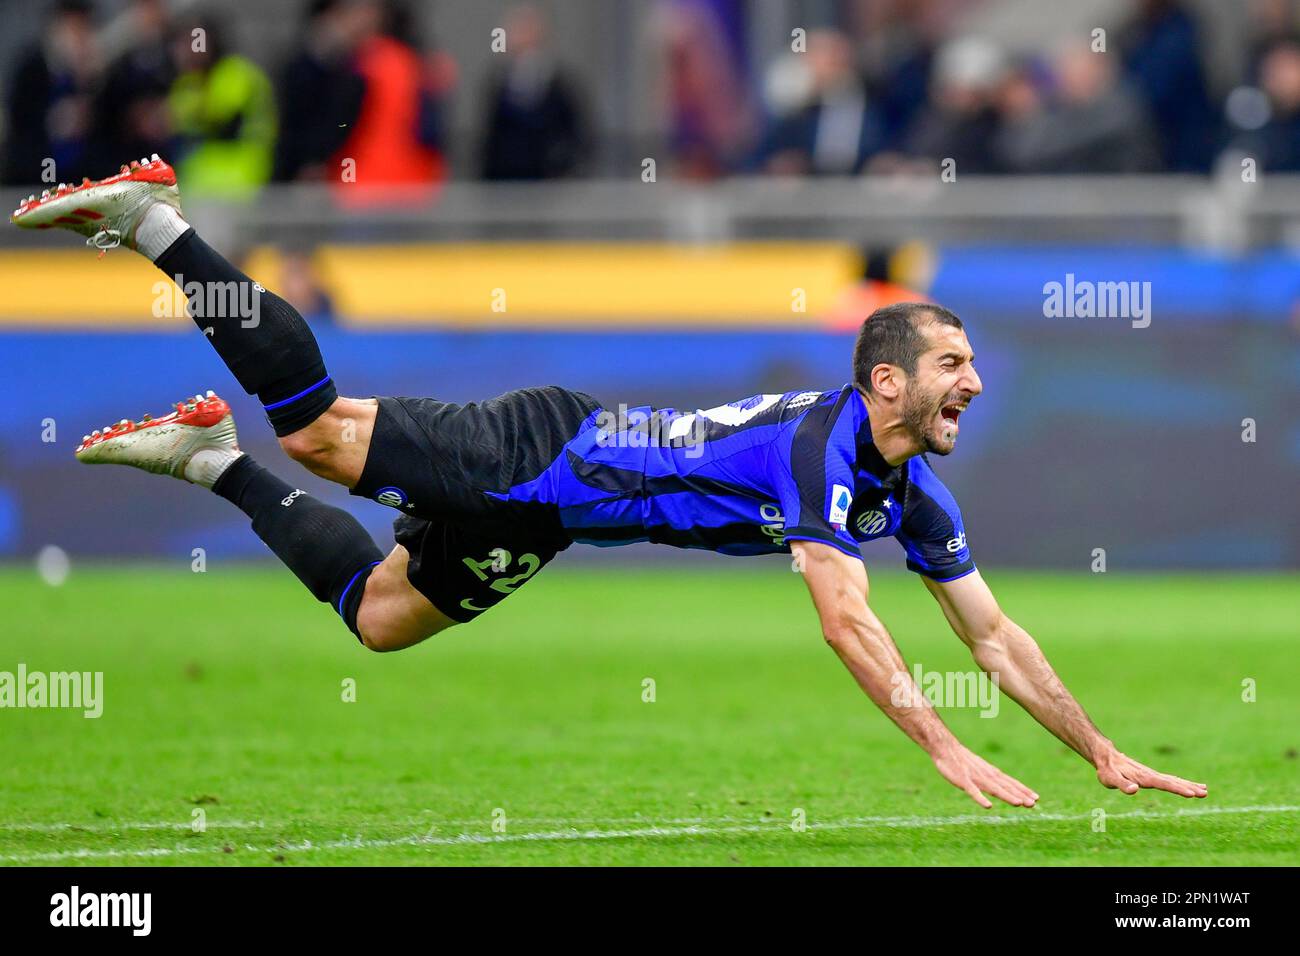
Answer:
(322, 545)
(393, 614)
(336, 445)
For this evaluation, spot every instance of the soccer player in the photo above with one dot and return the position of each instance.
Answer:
(489, 492)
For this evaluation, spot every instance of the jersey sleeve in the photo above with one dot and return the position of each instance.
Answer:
(814, 483)
(932, 533)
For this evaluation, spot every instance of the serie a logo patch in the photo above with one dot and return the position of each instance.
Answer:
(841, 500)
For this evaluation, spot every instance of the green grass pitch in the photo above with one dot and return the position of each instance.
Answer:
(524, 738)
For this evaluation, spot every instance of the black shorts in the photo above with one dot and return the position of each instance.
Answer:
(441, 464)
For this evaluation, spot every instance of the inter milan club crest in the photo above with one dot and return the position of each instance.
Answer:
(871, 523)
(879, 521)
(391, 496)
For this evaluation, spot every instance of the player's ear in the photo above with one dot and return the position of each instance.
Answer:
(887, 380)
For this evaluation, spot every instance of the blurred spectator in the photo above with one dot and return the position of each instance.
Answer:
(710, 116)
(898, 40)
(1276, 141)
(960, 122)
(396, 144)
(1271, 21)
(224, 110)
(320, 91)
(301, 286)
(892, 274)
(834, 129)
(1162, 58)
(48, 98)
(130, 119)
(535, 128)
(358, 87)
(1093, 124)
(1022, 97)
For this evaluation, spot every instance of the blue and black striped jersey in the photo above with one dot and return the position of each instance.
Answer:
(747, 478)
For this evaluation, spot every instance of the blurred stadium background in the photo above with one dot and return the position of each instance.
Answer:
(685, 202)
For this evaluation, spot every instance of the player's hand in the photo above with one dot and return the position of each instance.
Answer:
(1120, 772)
(967, 771)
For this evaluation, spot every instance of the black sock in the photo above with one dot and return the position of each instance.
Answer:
(262, 339)
(324, 546)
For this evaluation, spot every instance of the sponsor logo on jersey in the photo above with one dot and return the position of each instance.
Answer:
(391, 496)
(872, 522)
(841, 500)
(956, 544)
(802, 399)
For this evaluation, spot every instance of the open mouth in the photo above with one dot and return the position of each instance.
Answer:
(950, 413)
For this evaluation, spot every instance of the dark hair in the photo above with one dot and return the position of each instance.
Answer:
(891, 335)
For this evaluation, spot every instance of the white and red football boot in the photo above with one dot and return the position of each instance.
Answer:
(195, 442)
(107, 211)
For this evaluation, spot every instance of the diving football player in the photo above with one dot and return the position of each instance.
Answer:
(488, 492)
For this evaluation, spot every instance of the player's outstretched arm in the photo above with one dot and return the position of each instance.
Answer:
(838, 584)
(1003, 648)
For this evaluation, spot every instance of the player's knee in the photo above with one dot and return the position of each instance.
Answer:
(308, 447)
(382, 636)
(384, 624)
(374, 640)
(336, 444)
(380, 633)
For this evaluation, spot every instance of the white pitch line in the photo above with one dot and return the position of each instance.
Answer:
(113, 827)
(778, 822)
(651, 832)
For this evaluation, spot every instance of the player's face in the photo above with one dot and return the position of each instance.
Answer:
(943, 386)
